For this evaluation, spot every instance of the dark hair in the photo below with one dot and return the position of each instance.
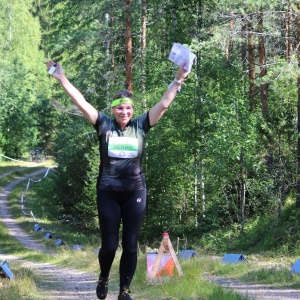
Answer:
(123, 94)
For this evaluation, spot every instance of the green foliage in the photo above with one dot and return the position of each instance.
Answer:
(46, 124)
(22, 287)
(209, 163)
(273, 275)
(263, 234)
(181, 287)
(207, 133)
(21, 77)
(271, 269)
(77, 168)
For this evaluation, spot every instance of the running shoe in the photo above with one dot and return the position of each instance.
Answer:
(102, 287)
(125, 295)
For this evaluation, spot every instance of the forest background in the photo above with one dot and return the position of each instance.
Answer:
(226, 153)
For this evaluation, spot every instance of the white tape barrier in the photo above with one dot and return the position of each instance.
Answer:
(27, 187)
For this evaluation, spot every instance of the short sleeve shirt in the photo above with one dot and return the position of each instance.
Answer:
(121, 173)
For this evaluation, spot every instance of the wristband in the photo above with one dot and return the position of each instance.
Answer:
(178, 80)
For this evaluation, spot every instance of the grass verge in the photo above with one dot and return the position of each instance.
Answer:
(191, 285)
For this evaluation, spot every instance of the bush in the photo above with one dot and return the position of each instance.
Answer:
(75, 180)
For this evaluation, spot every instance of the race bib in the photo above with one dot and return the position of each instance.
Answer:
(122, 147)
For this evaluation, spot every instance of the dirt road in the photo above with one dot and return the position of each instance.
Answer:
(57, 283)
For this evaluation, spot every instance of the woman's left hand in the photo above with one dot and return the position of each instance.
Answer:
(182, 73)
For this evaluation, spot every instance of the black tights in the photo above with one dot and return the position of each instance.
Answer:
(128, 206)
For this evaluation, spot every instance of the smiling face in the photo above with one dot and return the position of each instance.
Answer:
(123, 113)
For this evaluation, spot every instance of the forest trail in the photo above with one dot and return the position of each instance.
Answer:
(56, 283)
(59, 283)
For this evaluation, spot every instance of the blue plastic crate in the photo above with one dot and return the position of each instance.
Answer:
(187, 254)
(5, 267)
(48, 235)
(233, 258)
(59, 243)
(296, 267)
(37, 227)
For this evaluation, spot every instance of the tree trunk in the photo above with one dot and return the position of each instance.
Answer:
(128, 46)
(203, 188)
(243, 204)
(262, 65)
(288, 29)
(251, 59)
(196, 192)
(298, 110)
(197, 137)
(229, 46)
(242, 192)
(143, 58)
(110, 57)
(264, 87)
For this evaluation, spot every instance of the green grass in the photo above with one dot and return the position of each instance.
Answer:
(13, 170)
(278, 276)
(46, 216)
(269, 268)
(22, 287)
(265, 234)
(191, 285)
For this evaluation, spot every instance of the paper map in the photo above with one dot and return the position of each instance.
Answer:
(180, 54)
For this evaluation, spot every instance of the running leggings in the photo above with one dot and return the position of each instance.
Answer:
(114, 207)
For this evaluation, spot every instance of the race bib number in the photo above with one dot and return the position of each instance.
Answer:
(122, 147)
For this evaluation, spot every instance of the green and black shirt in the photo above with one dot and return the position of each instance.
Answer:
(121, 153)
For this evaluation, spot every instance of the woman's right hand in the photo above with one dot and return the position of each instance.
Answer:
(59, 72)
(78, 99)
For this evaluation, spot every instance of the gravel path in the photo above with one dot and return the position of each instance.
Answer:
(257, 291)
(57, 283)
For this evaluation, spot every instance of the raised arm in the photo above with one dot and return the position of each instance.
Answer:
(157, 111)
(89, 111)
